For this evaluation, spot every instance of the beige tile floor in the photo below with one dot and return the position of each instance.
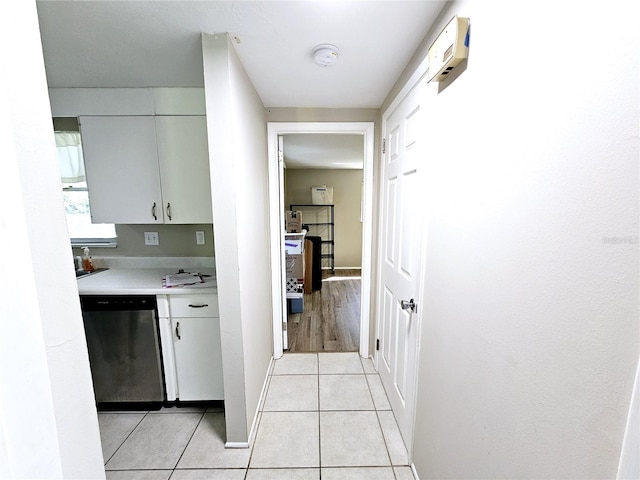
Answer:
(325, 416)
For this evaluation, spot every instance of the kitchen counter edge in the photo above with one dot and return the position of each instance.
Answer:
(141, 281)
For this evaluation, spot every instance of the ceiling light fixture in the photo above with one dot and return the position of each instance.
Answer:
(325, 54)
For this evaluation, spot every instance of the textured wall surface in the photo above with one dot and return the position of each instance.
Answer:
(47, 408)
(529, 338)
(237, 139)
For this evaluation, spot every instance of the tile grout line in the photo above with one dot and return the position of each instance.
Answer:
(375, 407)
(188, 441)
(263, 402)
(366, 379)
(386, 443)
(126, 438)
(384, 438)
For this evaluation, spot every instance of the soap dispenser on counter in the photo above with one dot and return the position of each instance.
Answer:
(87, 265)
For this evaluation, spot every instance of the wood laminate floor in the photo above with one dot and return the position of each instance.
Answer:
(330, 321)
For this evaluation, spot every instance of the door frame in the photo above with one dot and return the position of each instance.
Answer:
(276, 221)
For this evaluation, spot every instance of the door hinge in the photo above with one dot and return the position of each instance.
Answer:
(284, 326)
(384, 145)
(377, 344)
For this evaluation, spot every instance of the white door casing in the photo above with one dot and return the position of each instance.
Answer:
(276, 222)
(284, 334)
(400, 257)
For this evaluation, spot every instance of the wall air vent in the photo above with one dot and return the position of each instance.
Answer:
(450, 48)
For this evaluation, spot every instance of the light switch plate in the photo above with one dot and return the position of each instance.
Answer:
(200, 238)
(151, 238)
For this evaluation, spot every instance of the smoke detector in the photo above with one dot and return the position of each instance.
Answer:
(325, 54)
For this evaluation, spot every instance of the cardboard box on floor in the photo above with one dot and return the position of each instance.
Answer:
(293, 222)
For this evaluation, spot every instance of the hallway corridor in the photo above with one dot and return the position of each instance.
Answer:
(325, 416)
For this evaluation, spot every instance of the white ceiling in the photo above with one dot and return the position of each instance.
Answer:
(318, 150)
(133, 43)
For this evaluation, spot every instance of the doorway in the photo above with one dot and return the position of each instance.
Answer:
(277, 207)
(325, 315)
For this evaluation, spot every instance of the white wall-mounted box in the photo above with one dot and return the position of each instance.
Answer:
(449, 49)
(322, 195)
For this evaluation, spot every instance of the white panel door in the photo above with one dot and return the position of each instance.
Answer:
(184, 169)
(121, 161)
(400, 259)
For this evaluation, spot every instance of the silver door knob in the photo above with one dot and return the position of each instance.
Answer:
(409, 305)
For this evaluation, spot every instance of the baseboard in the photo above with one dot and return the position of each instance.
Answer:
(413, 470)
(261, 400)
(254, 423)
(236, 445)
(342, 268)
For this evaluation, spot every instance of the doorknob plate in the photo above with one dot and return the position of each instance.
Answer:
(409, 305)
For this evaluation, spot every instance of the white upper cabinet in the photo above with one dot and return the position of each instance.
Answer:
(184, 169)
(146, 169)
(121, 164)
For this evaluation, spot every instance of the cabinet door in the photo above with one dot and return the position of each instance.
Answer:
(198, 358)
(184, 169)
(121, 164)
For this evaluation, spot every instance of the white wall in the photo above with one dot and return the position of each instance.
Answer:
(311, 114)
(347, 198)
(530, 329)
(47, 411)
(237, 145)
(252, 210)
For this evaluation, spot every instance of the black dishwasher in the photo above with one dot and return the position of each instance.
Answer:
(124, 348)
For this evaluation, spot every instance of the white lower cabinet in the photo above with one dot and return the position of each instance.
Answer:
(195, 330)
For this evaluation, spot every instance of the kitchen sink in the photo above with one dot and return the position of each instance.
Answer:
(84, 273)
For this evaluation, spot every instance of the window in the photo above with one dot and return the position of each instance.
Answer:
(76, 195)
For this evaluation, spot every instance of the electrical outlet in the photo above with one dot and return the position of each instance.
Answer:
(200, 238)
(151, 238)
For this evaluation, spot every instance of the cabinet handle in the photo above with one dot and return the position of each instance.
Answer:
(178, 330)
(199, 306)
(153, 211)
(169, 211)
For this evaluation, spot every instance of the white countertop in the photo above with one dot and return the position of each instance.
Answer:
(141, 281)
